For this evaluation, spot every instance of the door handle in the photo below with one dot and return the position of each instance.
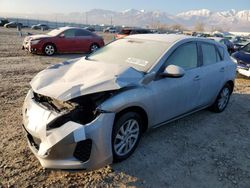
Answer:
(222, 69)
(196, 78)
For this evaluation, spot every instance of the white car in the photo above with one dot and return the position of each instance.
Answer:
(89, 112)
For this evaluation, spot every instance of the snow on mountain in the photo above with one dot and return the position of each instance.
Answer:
(243, 15)
(231, 19)
(202, 12)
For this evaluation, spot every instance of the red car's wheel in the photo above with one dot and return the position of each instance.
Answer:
(49, 49)
(93, 48)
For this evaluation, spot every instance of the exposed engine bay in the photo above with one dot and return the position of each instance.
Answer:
(81, 110)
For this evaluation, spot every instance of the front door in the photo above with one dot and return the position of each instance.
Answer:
(176, 96)
(67, 41)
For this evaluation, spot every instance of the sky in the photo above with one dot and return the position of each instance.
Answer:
(67, 6)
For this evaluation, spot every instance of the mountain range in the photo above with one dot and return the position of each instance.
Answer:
(230, 20)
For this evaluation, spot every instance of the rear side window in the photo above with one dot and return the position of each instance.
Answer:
(184, 56)
(82, 33)
(209, 53)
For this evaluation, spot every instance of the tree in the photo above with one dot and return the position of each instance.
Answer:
(199, 27)
(177, 27)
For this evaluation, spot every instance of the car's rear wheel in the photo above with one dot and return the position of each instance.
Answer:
(49, 49)
(222, 99)
(126, 135)
(93, 48)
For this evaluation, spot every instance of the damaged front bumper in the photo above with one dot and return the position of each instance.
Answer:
(70, 146)
(36, 49)
(244, 69)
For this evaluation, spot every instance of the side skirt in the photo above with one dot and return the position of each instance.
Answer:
(179, 117)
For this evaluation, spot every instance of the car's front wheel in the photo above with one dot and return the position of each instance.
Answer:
(126, 135)
(49, 49)
(222, 99)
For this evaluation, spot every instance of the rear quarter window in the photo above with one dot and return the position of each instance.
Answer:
(222, 52)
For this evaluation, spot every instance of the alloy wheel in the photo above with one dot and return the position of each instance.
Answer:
(126, 137)
(49, 49)
(224, 97)
(93, 48)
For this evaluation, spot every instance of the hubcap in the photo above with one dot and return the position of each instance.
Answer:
(93, 48)
(224, 97)
(49, 49)
(126, 137)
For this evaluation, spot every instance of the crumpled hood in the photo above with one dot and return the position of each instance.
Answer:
(79, 77)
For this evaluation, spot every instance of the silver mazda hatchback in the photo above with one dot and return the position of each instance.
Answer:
(89, 112)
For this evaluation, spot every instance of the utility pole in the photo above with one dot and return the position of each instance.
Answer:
(83, 18)
(86, 14)
(111, 21)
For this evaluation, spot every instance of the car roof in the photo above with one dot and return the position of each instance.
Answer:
(216, 38)
(134, 28)
(171, 38)
(67, 27)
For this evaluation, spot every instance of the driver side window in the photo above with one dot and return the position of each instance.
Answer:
(184, 56)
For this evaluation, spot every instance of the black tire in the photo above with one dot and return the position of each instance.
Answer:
(49, 49)
(121, 121)
(219, 105)
(93, 47)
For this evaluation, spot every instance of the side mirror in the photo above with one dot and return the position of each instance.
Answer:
(173, 71)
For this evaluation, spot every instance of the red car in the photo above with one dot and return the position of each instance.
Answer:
(63, 40)
(132, 31)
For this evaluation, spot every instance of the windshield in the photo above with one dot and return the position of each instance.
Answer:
(246, 48)
(139, 54)
(54, 32)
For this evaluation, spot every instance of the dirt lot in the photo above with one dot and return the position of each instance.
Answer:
(202, 150)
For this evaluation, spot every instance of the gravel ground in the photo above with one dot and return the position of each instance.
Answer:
(201, 150)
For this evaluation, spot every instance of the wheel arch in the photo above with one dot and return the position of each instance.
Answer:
(138, 110)
(231, 84)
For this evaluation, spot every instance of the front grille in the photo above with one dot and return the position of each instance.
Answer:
(83, 150)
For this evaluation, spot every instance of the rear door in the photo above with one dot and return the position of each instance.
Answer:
(84, 40)
(212, 73)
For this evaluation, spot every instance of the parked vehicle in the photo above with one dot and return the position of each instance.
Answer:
(239, 42)
(90, 29)
(132, 31)
(242, 58)
(110, 30)
(12, 24)
(89, 112)
(3, 22)
(226, 42)
(40, 26)
(63, 40)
